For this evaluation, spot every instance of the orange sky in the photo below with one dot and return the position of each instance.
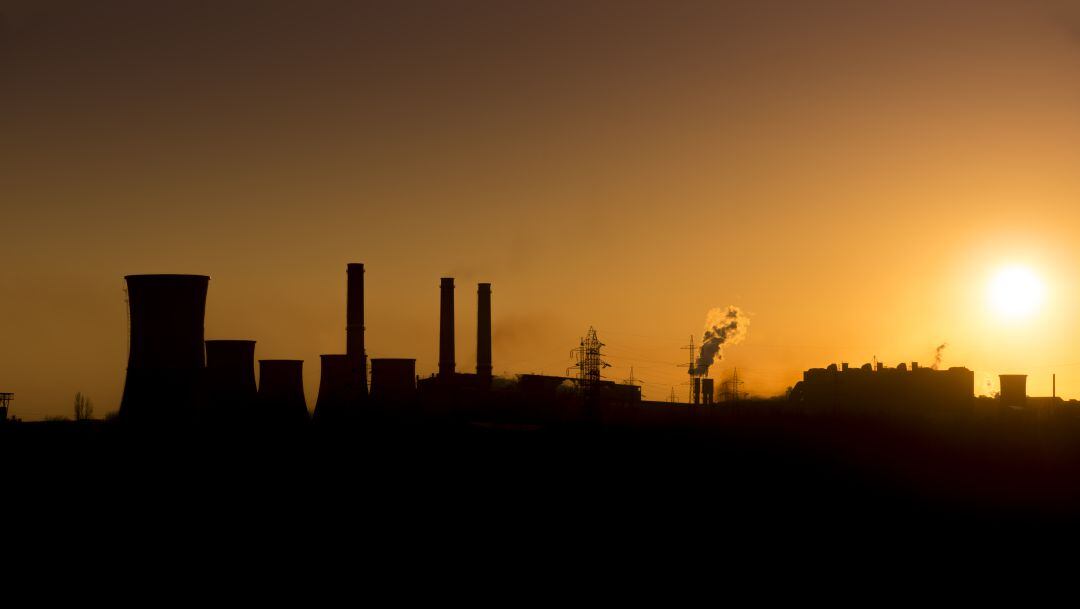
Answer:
(849, 173)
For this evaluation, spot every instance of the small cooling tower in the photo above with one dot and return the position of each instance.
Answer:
(1014, 390)
(393, 379)
(281, 392)
(230, 378)
(340, 392)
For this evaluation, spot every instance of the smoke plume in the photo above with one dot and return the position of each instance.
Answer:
(938, 352)
(722, 327)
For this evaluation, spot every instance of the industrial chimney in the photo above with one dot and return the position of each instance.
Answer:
(354, 323)
(339, 390)
(230, 377)
(165, 357)
(483, 333)
(281, 391)
(446, 329)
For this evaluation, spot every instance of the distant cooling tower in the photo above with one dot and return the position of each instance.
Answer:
(281, 392)
(339, 390)
(446, 328)
(483, 333)
(230, 378)
(393, 380)
(1014, 390)
(165, 357)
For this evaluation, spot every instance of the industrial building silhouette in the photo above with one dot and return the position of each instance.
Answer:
(174, 375)
(886, 388)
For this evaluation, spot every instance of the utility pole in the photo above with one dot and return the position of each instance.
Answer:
(695, 377)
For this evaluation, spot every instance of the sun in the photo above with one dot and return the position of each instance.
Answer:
(1016, 292)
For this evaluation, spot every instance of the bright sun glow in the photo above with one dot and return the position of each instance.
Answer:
(1016, 292)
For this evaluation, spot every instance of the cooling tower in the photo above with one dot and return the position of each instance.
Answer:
(230, 377)
(483, 333)
(354, 323)
(339, 390)
(1014, 390)
(281, 391)
(165, 356)
(446, 328)
(393, 379)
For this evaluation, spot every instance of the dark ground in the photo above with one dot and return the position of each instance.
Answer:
(730, 476)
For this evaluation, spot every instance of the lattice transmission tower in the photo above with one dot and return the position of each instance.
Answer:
(590, 362)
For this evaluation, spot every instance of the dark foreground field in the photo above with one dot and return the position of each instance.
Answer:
(731, 475)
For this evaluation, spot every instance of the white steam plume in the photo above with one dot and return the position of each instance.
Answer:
(722, 327)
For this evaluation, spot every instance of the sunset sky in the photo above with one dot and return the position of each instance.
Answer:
(851, 174)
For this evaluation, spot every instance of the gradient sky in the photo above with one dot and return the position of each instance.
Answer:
(849, 173)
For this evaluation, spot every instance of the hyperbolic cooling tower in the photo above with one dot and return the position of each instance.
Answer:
(165, 357)
(393, 379)
(483, 333)
(446, 328)
(281, 391)
(339, 390)
(230, 377)
(1014, 390)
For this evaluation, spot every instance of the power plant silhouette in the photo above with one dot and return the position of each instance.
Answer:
(918, 421)
(175, 375)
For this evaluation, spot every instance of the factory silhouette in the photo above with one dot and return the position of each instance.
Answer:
(893, 441)
(177, 377)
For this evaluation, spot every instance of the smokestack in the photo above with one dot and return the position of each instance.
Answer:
(230, 376)
(354, 323)
(165, 357)
(706, 391)
(483, 332)
(281, 391)
(446, 328)
(339, 390)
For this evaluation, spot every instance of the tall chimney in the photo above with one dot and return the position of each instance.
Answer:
(354, 323)
(483, 332)
(446, 329)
